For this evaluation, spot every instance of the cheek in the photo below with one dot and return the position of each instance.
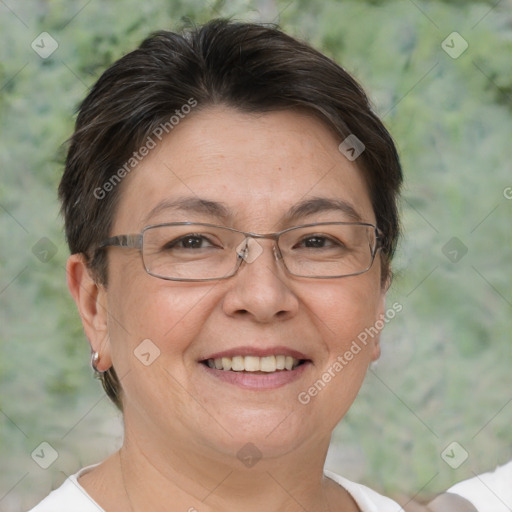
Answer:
(152, 330)
(168, 314)
(343, 314)
(346, 308)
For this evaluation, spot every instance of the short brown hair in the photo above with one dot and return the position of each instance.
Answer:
(250, 67)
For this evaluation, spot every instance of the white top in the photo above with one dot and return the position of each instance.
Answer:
(488, 492)
(72, 497)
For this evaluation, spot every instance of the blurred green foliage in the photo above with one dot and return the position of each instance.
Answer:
(445, 370)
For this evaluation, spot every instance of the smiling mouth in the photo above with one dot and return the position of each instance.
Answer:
(266, 364)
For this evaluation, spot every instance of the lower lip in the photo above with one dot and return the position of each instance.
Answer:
(258, 381)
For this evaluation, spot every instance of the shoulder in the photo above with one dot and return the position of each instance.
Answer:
(69, 497)
(367, 499)
(488, 492)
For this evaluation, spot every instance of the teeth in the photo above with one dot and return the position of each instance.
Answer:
(237, 364)
(266, 364)
(252, 364)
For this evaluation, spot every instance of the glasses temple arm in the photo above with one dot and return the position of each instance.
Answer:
(132, 241)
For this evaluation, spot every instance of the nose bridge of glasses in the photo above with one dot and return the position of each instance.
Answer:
(250, 249)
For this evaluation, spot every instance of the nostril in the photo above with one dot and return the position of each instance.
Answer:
(242, 312)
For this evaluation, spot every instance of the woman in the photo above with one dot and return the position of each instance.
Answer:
(230, 207)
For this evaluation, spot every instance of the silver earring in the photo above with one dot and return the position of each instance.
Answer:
(95, 357)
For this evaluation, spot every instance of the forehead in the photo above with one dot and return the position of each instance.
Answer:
(253, 171)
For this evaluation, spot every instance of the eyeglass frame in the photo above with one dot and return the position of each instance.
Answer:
(136, 241)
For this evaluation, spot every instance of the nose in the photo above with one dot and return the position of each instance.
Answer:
(260, 289)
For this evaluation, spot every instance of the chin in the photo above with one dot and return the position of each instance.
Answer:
(264, 433)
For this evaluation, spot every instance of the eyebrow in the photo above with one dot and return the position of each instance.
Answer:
(319, 205)
(193, 205)
(220, 211)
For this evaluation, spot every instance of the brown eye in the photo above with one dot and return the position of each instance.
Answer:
(189, 242)
(318, 242)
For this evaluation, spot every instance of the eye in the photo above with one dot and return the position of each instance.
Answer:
(191, 241)
(318, 242)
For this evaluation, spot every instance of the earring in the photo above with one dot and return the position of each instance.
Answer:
(95, 357)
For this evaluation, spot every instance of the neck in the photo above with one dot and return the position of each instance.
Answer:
(183, 481)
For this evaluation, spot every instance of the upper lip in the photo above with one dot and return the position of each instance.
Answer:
(257, 351)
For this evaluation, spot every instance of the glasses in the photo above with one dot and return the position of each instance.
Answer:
(186, 251)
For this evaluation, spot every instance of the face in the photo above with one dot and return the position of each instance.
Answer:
(258, 168)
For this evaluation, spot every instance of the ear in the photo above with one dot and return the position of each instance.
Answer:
(381, 314)
(91, 300)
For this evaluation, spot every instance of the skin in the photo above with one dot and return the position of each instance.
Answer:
(183, 428)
